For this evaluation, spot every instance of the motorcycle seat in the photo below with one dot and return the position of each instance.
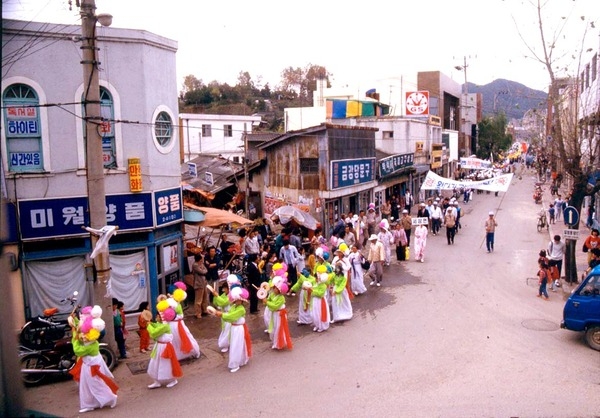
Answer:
(50, 311)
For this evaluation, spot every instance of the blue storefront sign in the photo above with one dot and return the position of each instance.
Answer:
(168, 207)
(60, 217)
(394, 163)
(346, 173)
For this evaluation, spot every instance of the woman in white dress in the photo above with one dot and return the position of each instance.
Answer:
(357, 281)
(341, 308)
(420, 242)
(163, 368)
(240, 345)
(184, 342)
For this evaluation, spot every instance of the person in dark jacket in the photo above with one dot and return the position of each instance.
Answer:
(254, 279)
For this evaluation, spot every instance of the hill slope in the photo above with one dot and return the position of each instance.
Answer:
(510, 97)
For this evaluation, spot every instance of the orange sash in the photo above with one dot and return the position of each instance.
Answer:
(107, 380)
(283, 338)
(169, 353)
(348, 287)
(186, 344)
(323, 310)
(76, 370)
(248, 341)
(307, 297)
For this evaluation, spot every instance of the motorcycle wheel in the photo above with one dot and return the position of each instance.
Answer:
(34, 361)
(539, 226)
(109, 357)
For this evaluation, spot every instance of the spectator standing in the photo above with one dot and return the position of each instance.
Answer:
(591, 242)
(212, 261)
(289, 254)
(556, 253)
(118, 323)
(200, 292)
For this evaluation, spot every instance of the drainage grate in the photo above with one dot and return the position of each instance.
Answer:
(138, 367)
(540, 325)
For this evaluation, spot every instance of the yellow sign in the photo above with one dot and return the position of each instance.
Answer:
(135, 175)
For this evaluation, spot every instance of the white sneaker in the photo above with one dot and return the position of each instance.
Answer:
(154, 385)
(224, 350)
(172, 383)
(234, 370)
(82, 410)
(372, 283)
(422, 260)
(378, 284)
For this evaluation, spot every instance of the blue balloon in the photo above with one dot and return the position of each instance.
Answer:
(325, 255)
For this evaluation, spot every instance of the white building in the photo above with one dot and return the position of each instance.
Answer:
(215, 134)
(44, 162)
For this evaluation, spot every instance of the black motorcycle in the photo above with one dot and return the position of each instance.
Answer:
(46, 347)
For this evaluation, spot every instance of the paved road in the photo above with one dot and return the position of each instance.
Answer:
(461, 335)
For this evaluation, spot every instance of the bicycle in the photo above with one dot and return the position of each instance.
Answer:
(542, 222)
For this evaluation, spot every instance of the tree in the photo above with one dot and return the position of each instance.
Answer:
(302, 82)
(569, 151)
(492, 137)
(190, 83)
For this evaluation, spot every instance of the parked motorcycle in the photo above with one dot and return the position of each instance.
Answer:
(46, 347)
(537, 195)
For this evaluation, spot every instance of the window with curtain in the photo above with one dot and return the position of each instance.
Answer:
(106, 129)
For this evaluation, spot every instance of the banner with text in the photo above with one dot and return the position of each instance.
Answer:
(495, 184)
(475, 164)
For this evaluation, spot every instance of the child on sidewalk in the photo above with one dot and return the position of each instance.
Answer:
(143, 320)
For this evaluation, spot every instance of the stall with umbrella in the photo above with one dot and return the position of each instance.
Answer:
(291, 214)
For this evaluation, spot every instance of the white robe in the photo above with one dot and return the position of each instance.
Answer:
(195, 352)
(357, 282)
(420, 241)
(223, 341)
(93, 392)
(238, 356)
(160, 368)
(316, 313)
(341, 307)
(304, 316)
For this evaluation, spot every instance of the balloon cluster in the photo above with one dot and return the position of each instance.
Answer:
(91, 324)
(280, 269)
(238, 293)
(166, 309)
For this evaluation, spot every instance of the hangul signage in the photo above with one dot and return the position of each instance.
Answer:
(168, 207)
(135, 175)
(61, 217)
(395, 163)
(346, 173)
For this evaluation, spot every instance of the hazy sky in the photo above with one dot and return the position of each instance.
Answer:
(366, 43)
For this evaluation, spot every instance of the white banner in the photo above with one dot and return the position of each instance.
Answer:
(495, 184)
(475, 164)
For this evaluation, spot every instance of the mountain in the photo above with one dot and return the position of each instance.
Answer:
(510, 97)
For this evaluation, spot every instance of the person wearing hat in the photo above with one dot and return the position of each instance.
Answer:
(371, 219)
(376, 257)
(277, 326)
(240, 344)
(490, 229)
(436, 217)
(164, 367)
(341, 307)
(304, 286)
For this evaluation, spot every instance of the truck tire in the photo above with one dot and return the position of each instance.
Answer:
(592, 337)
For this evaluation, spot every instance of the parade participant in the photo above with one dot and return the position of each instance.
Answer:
(97, 388)
(436, 218)
(376, 257)
(320, 307)
(406, 222)
(184, 342)
(322, 258)
(341, 308)
(399, 239)
(357, 282)
(450, 224)
(387, 239)
(362, 222)
(221, 301)
(349, 236)
(305, 283)
(490, 229)
(199, 271)
(143, 320)
(240, 344)
(420, 242)
(423, 212)
(371, 219)
(163, 368)
(278, 328)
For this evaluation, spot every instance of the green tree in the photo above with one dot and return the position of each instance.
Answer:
(492, 138)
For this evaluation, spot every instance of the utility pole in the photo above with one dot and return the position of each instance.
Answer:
(247, 192)
(94, 160)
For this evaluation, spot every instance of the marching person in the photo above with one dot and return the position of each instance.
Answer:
(406, 222)
(387, 239)
(376, 257)
(450, 224)
(399, 237)
(490, 229)
(341, 308)
(240, 344)
(420, 242)
(164, 368)
(278, 328)
(357, 281)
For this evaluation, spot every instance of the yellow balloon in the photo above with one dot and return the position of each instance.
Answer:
(322, 268)
(162, 305)
(179, 295)
(277, 266)
(343, 246)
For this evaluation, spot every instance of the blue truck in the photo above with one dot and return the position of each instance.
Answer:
(582, 310)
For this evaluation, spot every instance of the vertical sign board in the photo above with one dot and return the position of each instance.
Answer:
(345, 173)
(135, 175)
(192, 169)
(168, 207)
